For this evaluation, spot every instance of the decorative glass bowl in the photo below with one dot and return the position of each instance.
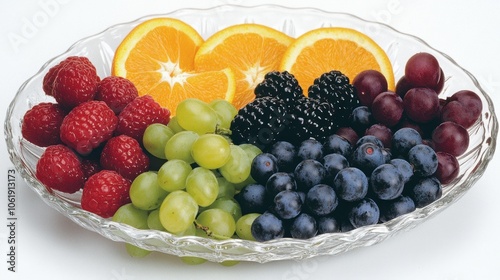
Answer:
(100, 48)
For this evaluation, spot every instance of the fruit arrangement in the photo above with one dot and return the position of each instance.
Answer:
(278, 155)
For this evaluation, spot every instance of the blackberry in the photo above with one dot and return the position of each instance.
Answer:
(310, 118)
(259, 123)
(334, 87)
(282, 85)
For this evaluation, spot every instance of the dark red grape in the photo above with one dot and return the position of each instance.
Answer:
(470, 100)
(405, 122)
(464, 107)
(454, 111)
(369, 84)
(387, 108)
(440, 85)
(382, 132)
(448, 167)
(451, 138)
(422, 70)
(421, 104)
(403, 86)
(349, 134)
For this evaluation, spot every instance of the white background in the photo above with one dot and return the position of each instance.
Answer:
(460, 243)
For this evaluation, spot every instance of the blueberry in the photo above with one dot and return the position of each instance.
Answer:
(424, 191)
(391, 209)
(364, 212)
(267, 227)
(404, 168)
(280, 181)
(345, 225)
(387, 154)
(302, 196)
(263, 166)
(310, 149)
(424, 160)
(287, 204)
(336, 144)
(386, 182)
(327, 225)
(303, 227)
(403, 140)
(361, 119)
(369, 139)
(252, 199)
(350, 184)
(367, 157)
(309, 173)
(333, 164)
(286, 155)
(321, 200)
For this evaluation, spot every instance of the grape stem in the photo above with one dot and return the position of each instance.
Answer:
(209, 232)
(223, 131)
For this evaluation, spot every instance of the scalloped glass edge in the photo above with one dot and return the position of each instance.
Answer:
(293, 21)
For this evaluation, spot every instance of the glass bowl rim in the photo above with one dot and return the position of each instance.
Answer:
(109, 227)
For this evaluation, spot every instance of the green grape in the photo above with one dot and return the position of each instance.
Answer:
(227, 204)
(173, 124)
(154, 220)
(172, 175)
(225, 110)
(237, 169)
(201, 233)
(135, 251)
(179, 146)
(251, 150)
(132, 216)
(217, 222)
(210, 151)
(196, 115)
(190, 231)
(244, 226)
(229, 263)
(226, 189)
(228, 139)
(145, 192)
(193, 260)
(155, 138)
(202, 185)
(178, 211)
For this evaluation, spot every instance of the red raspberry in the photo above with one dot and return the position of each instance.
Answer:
(41, 124)
(48, 79)
(124, 155)
(60, 169)
(104, 192)
(117, 92)
(87, 126)
(140, 113)
(75, 83)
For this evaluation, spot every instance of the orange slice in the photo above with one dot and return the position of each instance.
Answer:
(324, 49)
(158, 57)
(250, 50)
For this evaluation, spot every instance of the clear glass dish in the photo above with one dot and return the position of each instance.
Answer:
(100, 48)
